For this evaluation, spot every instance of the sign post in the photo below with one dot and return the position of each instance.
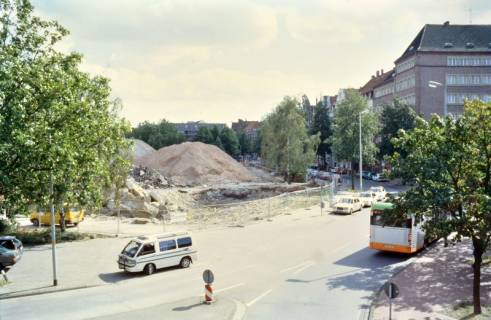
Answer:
(208, 278)
(392, 291)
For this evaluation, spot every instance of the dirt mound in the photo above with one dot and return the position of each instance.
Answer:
(141, 149)
(194, 163)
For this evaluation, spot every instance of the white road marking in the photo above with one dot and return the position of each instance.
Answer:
(297, 266)
(262, 295)
(303, 268)
(231, 287)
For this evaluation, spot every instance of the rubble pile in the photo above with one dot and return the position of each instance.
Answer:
(196, 163)
(149, 178)
(141, 149)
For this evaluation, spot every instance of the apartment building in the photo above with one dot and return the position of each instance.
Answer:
(190, 129)
(442, 67)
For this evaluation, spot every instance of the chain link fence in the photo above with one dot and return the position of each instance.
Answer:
(240, 213)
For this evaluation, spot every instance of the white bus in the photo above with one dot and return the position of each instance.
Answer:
(405, 237)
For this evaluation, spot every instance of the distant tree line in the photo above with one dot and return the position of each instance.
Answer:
(164, 133)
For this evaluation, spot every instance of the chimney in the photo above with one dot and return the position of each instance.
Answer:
(378, 73)
(373, 77)
(381, 71)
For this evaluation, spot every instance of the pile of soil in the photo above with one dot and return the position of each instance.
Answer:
(196, 163)
(141, 149)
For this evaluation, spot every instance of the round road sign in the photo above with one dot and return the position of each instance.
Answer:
(208, 276)
(391, 290)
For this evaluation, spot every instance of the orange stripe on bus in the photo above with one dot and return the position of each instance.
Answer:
(390, 247)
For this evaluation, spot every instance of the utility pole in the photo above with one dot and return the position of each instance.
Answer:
(53, 226)
(361, 153)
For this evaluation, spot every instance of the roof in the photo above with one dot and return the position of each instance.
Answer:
(246, 126)
(451, 38)
(376, 81)
(161, 236)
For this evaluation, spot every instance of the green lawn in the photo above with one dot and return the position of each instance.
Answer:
(463, 311)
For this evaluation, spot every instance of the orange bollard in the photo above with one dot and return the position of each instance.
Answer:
(208, 293)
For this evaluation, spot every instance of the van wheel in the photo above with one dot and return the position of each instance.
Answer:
(75, 224)
(35, 222)
(149, 269)
(185, 262)
(351, 211)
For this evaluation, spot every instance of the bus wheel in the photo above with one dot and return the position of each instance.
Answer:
(149, 269)
(35, 222)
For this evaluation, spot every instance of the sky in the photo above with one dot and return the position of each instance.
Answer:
(222, 60)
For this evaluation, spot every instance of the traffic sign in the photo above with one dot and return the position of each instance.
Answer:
(208, 276)
(391, 290)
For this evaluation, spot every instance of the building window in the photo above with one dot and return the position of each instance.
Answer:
(406, 65)
(465, 61)
(460, 98)
(383, 91)
(409, 100)
(468, 79)
(405, 83)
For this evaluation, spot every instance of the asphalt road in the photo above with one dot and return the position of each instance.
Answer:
(299, 266)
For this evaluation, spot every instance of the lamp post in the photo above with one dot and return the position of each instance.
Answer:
(436, 84)
(361, 152)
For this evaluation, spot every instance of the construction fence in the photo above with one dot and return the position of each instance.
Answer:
(241, 213)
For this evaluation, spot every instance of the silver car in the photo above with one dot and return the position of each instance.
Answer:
(11, 250)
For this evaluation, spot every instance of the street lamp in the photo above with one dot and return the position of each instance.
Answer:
(361, 152)
(436, 84)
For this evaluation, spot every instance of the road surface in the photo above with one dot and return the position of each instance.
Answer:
(297, 266)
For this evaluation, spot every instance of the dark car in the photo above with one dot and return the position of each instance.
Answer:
(366, 175)
(11, 250)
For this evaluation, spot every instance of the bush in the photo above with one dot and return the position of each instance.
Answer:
(44, 236)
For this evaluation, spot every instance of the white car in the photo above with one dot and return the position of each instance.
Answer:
(347, 205)
(367, 198)
(380, 193)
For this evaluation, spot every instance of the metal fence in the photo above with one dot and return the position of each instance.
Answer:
(240, 213)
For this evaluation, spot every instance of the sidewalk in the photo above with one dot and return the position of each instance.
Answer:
(434, 283)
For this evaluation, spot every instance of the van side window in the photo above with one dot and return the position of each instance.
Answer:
(184, 242)
(148, 248)
(167, 245)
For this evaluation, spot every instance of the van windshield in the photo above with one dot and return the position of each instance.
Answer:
(131, 248)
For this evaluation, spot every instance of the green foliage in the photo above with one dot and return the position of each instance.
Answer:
(55, 120)
(158, 135)
(32, 238)
(204, 135)
(394, 118)
(230, 141)
(345, 135)
(450, 162)
(322, 125)
(245, 144)
(286, 145)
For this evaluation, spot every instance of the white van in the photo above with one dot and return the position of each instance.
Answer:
(149, 253)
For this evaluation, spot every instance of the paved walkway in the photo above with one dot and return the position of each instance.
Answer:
(433, 283)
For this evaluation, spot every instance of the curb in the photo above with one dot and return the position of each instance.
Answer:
(14, 295)
(376, 294)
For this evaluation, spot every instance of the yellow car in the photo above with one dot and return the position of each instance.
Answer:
(42, 216)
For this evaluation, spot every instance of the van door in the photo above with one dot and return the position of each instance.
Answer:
(146, 255)
(168, 256)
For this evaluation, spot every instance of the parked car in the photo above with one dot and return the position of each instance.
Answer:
(367, 198)
(366, 175)
(347, 205)
(324, 175)
(43, 217)
(11, 250)
(380, 193)
(380, 177)
(149, 253)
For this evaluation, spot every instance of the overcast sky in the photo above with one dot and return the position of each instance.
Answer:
(222, 60)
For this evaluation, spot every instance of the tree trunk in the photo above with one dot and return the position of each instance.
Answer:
(352, 177)
(62, 219)
(476, 288)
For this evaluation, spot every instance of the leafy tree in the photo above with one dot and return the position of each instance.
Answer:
(322, 125)
(218, 142)
(450, 162)
(392, 118)
(286, 145)
(245, 144)
(215, 133)
(56, 123)
(229, 141)
(204, 135)
(158, 135)
(345, 136)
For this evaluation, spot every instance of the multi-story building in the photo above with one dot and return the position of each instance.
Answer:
(190, 128)
(379, 89)
(250, 128)
(442, 67)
